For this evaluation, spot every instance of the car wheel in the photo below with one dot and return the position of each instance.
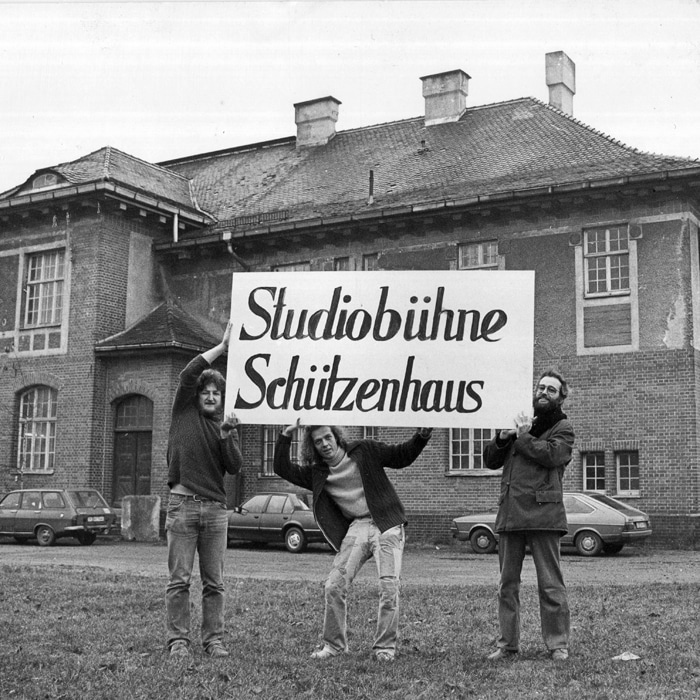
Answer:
(295, 540)
(588, 543)
(86, 538)
(612, 548)
(45, 535)
(482, 541)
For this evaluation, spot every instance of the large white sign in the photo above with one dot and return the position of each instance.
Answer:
(433, 349)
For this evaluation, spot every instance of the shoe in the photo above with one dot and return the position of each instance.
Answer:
(325, 653)
(384, 656)
(216, 650)
(502, 653)
(560, 654)
(179, 650)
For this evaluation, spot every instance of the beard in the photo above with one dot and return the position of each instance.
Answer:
(544, 409)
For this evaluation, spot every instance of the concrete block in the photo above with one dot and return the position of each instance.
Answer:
(141, 518)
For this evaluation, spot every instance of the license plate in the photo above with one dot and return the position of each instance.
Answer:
(640, 526)
(96, 519)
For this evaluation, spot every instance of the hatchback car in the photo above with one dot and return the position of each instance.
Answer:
(47, 514)
(276, 517)
(597, 523)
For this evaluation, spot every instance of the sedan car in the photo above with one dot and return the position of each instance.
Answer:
(597, 523)
(47, 514)
(276, 517)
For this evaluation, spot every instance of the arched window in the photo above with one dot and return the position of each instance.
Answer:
(37, 430)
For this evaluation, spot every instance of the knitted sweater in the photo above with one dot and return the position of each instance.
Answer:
(197, 454)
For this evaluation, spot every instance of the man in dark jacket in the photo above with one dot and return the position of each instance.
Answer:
(531, 514)
(360, 515)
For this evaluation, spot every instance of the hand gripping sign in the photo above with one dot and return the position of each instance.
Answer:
(438, 348)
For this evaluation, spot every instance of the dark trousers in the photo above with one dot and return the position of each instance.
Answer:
(554, 605)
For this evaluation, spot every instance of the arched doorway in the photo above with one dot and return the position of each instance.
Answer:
(133, 427)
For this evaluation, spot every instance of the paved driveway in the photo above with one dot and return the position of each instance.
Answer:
(447, 565)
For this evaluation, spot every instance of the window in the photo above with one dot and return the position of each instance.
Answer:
(45, 180)
(270, 433)
(44, 289)
(11, 502)
(467, 447)
(37, 430)
(627, 473)
(341, 264)
(292, 267)
(256, 504)
(478, 255)
(607, 261)
(277, 504)
(370, 262)
(52, 499)
(370, 432)
(594, 471)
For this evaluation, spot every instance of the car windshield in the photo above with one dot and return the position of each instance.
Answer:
(87, 499)
(617, 505)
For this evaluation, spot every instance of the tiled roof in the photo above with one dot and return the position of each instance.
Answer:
(111, 164)
(492, 149)
(167, 326)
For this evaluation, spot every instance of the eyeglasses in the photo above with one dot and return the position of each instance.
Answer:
(549, 390)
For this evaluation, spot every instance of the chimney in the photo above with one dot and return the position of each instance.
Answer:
(315, 120)
(445, 96)
(560, 74)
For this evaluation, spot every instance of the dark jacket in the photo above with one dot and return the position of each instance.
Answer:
(372, 458)
(531, 485)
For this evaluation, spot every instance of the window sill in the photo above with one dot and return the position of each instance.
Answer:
(38, 472)
(631, 494)
(474, 472)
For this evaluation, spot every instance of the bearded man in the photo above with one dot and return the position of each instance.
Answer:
(531, 514)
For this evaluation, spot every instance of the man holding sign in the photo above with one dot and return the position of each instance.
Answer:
(360, 515)
(531, 513)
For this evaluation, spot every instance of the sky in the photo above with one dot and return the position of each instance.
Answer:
(162, 80)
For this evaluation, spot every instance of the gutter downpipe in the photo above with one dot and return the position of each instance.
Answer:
(176, 224)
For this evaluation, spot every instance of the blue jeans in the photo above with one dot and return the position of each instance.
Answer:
(362, 541)
(195, 526)
(554, 604)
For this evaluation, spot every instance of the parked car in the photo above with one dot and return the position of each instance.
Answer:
(276, 517)
(47, 514)
(597, 523)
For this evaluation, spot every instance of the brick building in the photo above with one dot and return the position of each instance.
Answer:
(114, 272)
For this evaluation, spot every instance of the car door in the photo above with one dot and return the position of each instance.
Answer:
(8, 512)
(29, 513)
(279, 510)
(54, 511)
(246, 524)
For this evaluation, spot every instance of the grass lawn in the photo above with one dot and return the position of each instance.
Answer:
(76, 633)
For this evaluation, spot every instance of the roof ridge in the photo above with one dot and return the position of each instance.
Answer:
(611, 139)
(146, 162)
(108, 158)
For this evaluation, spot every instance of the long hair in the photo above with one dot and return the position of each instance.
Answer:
(309, 453)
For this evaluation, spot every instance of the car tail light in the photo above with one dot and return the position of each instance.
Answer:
(629, 526)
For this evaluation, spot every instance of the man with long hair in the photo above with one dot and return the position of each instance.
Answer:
(531, 514)
(202, 446)
(360, 515)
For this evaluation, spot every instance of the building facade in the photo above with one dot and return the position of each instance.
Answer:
(115, 272)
